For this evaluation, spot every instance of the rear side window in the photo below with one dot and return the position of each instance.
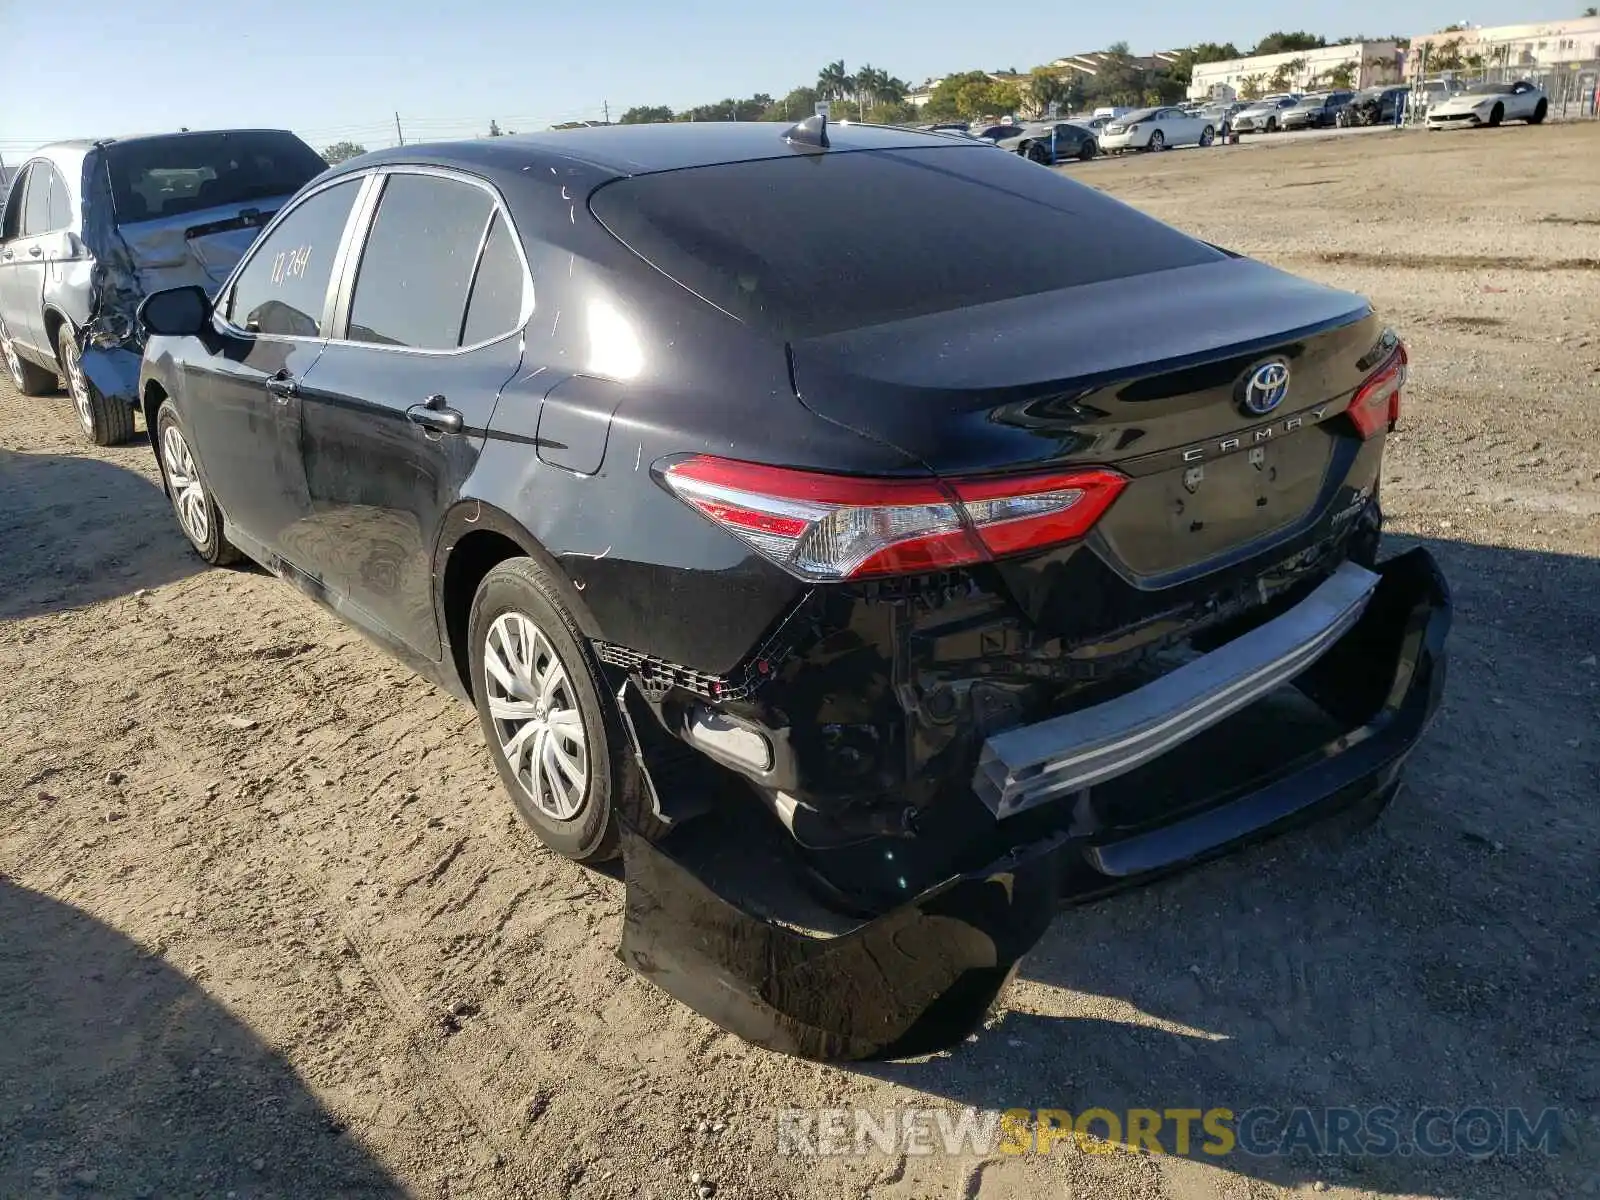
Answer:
(36, 208)
(16, 201)
(60, 210)
(184, 173)
(284, 286)
(819, 243)
(411, 288)
(495, 307)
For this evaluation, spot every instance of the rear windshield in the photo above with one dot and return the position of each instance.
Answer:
(163, 177)
(819, 243)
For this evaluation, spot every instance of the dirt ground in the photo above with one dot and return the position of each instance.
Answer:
(267, 926)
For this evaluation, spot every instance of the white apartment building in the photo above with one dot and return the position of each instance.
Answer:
(1549, 44)
(1364, 64)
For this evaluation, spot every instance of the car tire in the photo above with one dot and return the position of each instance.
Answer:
(1087, 151)
(108, 422)
(1496, 115)
(1208, 135)
(1272, 125)
(181, 476)
(27, 378)
(1540, 112)
(572, 785)
(1038, 152)
(1157, 142)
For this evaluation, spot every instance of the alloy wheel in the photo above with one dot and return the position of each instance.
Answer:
(76, 383)
(13, 361)
(188, 494)
(536, 717)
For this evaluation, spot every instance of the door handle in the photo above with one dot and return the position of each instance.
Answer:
(435, 415)
(35, 251)
(283, 386)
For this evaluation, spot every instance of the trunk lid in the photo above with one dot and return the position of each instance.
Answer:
(1147, 374)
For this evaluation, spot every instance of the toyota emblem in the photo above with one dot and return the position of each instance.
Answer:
(1264, 387)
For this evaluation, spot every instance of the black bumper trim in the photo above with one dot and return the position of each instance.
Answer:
(922, 977)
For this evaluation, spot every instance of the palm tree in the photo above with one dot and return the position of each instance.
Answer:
(834, 82)
(874, 86)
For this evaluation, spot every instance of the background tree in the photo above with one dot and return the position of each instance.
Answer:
(1252, 87)
(796, 106)
(1446, 56)
(834, 82)
(1341, 76)
(1046, 87)
(342, 152)
(1119, 80)
(1287, 74)
(1280, 43)
(1182, 68)
(875, 86)
(1591, 11)
(646, 114)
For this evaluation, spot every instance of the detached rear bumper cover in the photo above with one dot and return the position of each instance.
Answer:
(922, 977)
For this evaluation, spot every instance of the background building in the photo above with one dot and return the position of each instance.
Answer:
(1355, 65)
(1513, 50)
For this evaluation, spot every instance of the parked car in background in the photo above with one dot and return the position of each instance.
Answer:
(1434, 91)
(1319, 110)
(91, 227)
(899, 559)
(1049, 142)
(1155, 129)
(1489, 104)
(1375, 106)
(1222, 115)
(1264, 116)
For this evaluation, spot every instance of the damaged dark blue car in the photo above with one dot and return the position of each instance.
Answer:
(785, 527)
(92, 227)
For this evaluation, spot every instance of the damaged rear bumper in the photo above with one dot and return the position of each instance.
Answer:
(114, 371)
(921, 977)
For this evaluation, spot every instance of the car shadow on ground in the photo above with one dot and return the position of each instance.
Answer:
(1442, 957)
(120, 531)
(121, 1077)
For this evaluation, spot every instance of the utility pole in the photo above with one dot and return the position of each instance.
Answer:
(397, 131)
(605, 108)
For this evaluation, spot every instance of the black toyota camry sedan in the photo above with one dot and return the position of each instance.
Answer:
(1002, 570)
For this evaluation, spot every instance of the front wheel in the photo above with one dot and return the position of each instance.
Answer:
(1038, 152)
(1158, 141)
(1540, 112)
(197, 513)
(1496, 115)
(1207, 136)
(1087, 151)
(1272, 125)
(107, 421)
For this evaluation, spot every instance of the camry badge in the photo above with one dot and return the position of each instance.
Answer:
(1264, 388)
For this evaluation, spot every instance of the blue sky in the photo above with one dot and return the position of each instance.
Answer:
(341, 68)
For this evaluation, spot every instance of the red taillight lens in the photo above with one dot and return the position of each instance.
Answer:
(1377, 404)
(830, 527)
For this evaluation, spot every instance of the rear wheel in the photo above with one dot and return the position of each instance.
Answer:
(1496, 115)
(1158, 140)
(1038, 152)
(1207, 136)
(25, 377)
(1272, 124)
(1540, 112)
(1088, 150)
(106, 421)
(551, 726)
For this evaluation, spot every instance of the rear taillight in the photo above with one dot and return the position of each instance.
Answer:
(830, 527)
(1376, 406)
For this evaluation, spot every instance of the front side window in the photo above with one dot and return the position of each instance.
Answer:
(284, 286)
(416, 270)
(15, 203)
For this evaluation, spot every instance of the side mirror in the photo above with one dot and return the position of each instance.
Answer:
(177, 312)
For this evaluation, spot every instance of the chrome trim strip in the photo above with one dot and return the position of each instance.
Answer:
(1037, 763)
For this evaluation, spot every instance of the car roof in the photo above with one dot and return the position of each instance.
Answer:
(645, 149)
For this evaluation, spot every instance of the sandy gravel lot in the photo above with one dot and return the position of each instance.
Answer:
(267, 926)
